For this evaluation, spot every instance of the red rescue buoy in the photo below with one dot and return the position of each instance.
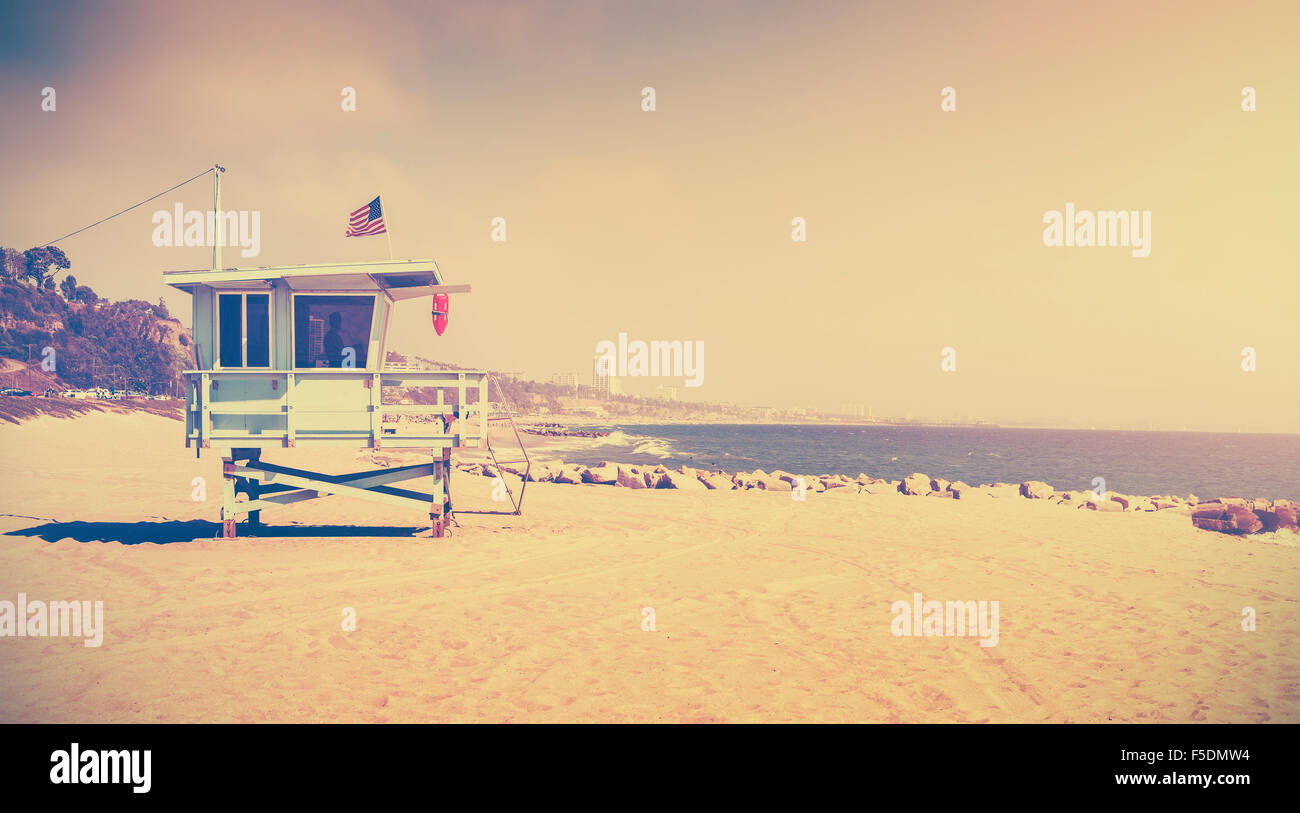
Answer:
(441, 307)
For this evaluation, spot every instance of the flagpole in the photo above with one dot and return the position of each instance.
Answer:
(387, 231)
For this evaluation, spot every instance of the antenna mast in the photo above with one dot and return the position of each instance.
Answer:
(218, 237)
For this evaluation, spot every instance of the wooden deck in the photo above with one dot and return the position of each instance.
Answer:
(250, 408)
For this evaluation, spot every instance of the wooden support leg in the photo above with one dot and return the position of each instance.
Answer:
(251, 486)
(446, 483)
(440, 509)
(227, 498)
(254, 493)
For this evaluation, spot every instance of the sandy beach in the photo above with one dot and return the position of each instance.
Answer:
(765, 608)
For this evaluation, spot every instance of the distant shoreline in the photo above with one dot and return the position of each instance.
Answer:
(583, 421)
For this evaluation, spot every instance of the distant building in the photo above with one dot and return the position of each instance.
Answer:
(569, 380)
(666, 393)
(599, 380)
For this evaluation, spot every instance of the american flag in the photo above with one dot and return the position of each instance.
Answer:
(367, 220)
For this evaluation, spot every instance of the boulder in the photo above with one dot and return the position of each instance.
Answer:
(960, 490)
(1073, 498)
(763, 481)
(774, 484)
(604, 474)
(881, 487)
(915, 484)
(1226, 518)
(1141, 504)
(630, 476)
(656, 477)
(1036, 490)
(1001, 490)
(678, 480)
(1105, 506)
(749, 479)
(939, 484)
(715, 481)
(1281, 517)
(570, 474)
(544, 471)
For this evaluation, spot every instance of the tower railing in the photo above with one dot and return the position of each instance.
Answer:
(259, 408)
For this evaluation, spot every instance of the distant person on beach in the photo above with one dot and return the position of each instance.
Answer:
(333, 343)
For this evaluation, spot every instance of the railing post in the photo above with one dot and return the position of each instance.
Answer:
(376, 411)
(290, 436)
(191, 409)
(205, 417)
(482, 409)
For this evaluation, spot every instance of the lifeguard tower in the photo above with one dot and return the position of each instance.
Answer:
(293, 357)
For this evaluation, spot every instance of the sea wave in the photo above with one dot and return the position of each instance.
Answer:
(657, 447)
(616, 441)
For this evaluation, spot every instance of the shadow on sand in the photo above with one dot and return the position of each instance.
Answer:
(165, 533)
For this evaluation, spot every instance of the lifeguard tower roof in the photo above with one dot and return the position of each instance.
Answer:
(398, 279)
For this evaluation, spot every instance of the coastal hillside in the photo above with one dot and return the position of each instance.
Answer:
(61, 333)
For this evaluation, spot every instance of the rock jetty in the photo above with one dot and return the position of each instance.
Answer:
(1227, 515)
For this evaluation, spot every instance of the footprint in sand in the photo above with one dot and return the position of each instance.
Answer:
(939, 701)
(341, 641)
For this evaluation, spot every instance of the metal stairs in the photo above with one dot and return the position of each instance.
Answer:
(516, 502)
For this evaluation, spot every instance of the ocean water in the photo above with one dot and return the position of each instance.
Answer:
(1148, 463)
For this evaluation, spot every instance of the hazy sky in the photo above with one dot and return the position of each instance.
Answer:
(924, 227)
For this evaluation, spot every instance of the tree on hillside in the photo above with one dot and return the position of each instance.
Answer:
(68, 287)
(13, 265)
(43, 263)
